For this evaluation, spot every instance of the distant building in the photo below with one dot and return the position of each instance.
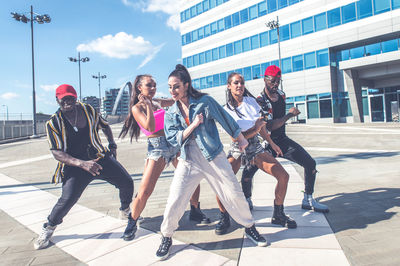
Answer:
(109, 101)
(93, 101)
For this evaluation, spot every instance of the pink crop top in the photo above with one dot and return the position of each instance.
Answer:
(159, 119)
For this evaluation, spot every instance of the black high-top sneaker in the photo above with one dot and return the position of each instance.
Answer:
(163, 250)
(281, 218)
(197, 215)
(223, 224)
(130, 229)
(255, 236)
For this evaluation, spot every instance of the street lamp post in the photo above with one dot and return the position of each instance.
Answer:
(6, 106)
(79, 60)
(274, 24)
(99, 77)
(38, 19)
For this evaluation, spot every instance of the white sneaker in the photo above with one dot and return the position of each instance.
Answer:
(124, 214)
(44, 238)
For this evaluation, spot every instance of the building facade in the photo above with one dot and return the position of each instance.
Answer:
(340, 59)
(93, 101)
(109, 101)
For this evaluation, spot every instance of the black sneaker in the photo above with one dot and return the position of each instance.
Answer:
(130, 229)
(197, 215)
(224, 223)
(279, 217)
(254, 236)
(163, 250)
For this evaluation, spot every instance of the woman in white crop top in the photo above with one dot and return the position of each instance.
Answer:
(148, 116)
(243, 107)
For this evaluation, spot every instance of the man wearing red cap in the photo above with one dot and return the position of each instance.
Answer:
(74, 141)
(272, 102)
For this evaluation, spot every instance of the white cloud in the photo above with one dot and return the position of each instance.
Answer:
(49, 88)
(9, 95)
(169, 7)
(160, 94)
(121, 46)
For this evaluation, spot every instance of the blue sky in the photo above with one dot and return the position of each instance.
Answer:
(122, 38)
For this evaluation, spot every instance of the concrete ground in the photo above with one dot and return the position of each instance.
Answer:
(358, 179)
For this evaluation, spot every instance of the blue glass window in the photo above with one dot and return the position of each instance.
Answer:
(246, 44)
(373, 49)
(297, 62)
(275, 62)
(222, 51)
(264, 67)
(309, 60)
(253, 12)
(229, 49)
(209, 81)
(348, 13)
(237, 47)
(195, 60)
(208, 56)
(357, 52)
(247, 73)
(214, 28)
(199, 8)
(334, 17)
(345, 55)
(236, 19)
(255, 42)
(322, 58)
(206, 5)
(195, 36)
(390, 46)
(228, 22)
(381, 6)
(295, 29)
(215, 54)
(216, 80)
(284, 33)
(219, 2)
(189, 61)
(201, 58)
(183, 40)
(213, 3)
(262, 9)
(307, 25)
(264, 39)
(222, 78)
(193, 12)
(286, 65)
(364, 8)
(244, 16)
(221, 25)
(240, 71)
(291, 2)
(272, 6)
(282, 3)
(196, 83)
(185, 62)
(320, 21)
(256, 71)
(395, 4)
(273, 36)
(203, 83)
(187, 14)
(182, 16)
(200, 33)
(207, 30)
(188, 38)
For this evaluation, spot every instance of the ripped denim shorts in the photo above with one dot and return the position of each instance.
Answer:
(250, 152)
(159, 147)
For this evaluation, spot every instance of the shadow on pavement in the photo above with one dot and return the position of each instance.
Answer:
(359, 209)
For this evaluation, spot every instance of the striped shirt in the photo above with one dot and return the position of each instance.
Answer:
(56, 135)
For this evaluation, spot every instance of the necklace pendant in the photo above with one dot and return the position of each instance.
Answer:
(76, 129)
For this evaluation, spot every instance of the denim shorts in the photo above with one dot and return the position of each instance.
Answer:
(159, 147)
(250, 152)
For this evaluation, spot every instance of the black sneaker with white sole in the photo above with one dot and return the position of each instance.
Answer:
(255, 237)
(163, 250)
(130, 229)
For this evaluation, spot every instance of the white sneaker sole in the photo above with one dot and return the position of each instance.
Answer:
(259, 244)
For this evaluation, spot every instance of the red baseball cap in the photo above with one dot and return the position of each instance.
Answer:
(65, 90)
(273, 71)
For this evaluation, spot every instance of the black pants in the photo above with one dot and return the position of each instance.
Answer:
(76, 180)
(293, 152)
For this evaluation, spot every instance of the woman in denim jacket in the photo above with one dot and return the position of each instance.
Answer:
(190, 126)
(148, 116)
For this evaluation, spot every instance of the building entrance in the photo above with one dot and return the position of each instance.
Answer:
(376, 107)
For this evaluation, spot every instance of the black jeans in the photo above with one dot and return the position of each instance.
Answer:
(76, 180)
(293, 152)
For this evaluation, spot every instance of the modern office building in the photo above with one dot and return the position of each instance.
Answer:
(340, 58)
(109, 101)
(93, 101)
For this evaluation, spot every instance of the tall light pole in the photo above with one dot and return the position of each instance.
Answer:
(38, 19)
(99, 78)
(274, 24)
(6, 106)
(79, 60)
